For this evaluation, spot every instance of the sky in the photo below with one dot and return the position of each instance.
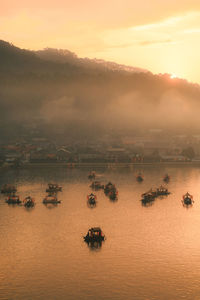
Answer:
(158, 35)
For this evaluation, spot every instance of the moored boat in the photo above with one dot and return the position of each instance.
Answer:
(29, 202)
(53, 187)
(94, 234)
(13, 199)
(92, 199)
(187, 199)
(109, 187)
(92, 175)
(148, 196)
(166, 178)
(113, 194)
(162, 191)
(96, 185)
(139, 177)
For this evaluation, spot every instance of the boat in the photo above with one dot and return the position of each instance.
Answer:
(187, 199)
(166, 178)
(92, 175)
(53, 187)
(94, 235)
(113, 194)
(148, 196)
(29, 202)
(8, 188)
(139, 177)
(13, 199)
(51, 199)
(109, 187)
(92, 199)
(96, 185)
(162, 191)
(111, 191)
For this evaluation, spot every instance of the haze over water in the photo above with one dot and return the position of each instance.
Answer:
(150, 253)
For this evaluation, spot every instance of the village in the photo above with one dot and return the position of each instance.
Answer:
(153, 147)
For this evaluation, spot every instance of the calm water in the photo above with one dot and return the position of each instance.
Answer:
(151, 253)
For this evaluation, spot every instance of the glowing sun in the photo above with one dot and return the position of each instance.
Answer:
(172, 76)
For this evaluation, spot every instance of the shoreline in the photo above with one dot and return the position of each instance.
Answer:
(100, 165)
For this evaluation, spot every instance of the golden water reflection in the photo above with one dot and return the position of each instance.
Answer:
(150, 252)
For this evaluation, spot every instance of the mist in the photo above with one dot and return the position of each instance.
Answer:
(84, 98)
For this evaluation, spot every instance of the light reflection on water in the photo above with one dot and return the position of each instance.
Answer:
(150, 252)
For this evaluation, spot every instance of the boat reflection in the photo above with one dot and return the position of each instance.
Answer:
(147, 204)
(187, 205)
(94, 245)
(29, 208)
(115, 199)
(91, 205)
(50, 205)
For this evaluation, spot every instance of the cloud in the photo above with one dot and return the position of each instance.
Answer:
(164, 23)
(192, 30)
(167, 31)
(149, 43)
(140, 43)
(173, 24)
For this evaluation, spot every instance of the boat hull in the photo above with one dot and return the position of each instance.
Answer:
(51, 201)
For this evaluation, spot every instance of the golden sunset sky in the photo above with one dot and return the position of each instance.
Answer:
(162, 36)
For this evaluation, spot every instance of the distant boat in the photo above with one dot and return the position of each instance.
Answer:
(96, 185)
(94, 234)
(152, 194)
(162, 191)
(139, 177)
(92, 199)
(109, 187)
(187, 199)
(53, 187)
(113, 194)
(92, 175)
(29, 202)
(148, 196)
(166, 178)
(13, 199)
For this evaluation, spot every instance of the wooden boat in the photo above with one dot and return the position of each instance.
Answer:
(29, 202)
(94, 235)
(166, 178)
(139, 177)
(113, 194)
(92, 199)
(148, 196)
(162, 191)
(96, 185)
(187, 199)
(13, 199)
(53, 187)
(92, 175)
(109, 187)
